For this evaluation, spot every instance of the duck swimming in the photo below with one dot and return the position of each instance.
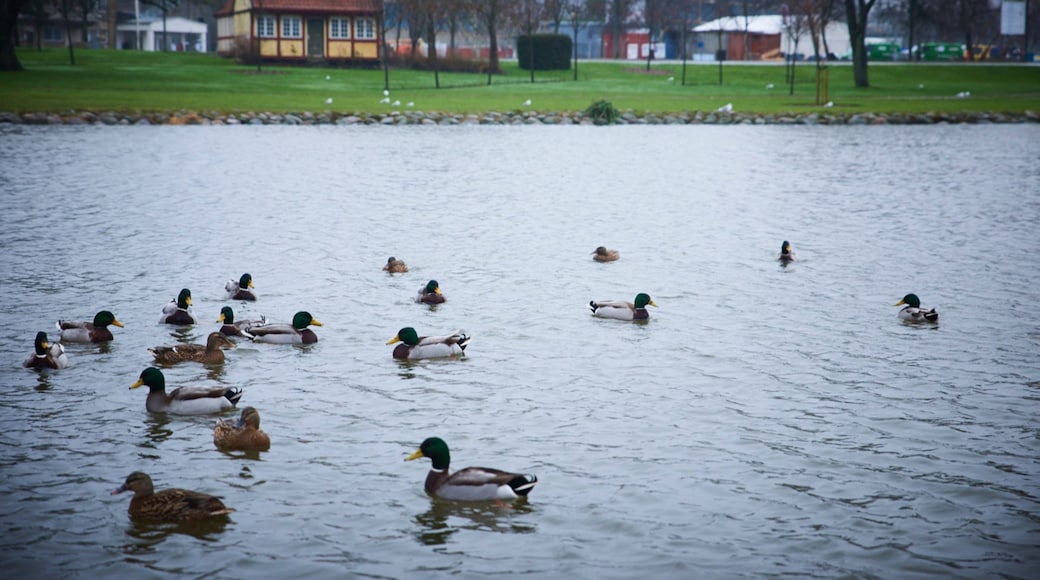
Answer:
(621, 310)
(601, 254)
(210, 353)
(231, 327)
(786, 254)
(178, 311)
(47, 355)
(241, 290)
(471, 483)
(282, 333)
(430, 293)
(170, 505)
(415, 347)
(913, 312)
(83, 331)
(184, 400)
(241, 435)
(395, 266)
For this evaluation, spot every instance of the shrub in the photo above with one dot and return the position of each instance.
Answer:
(602, 112)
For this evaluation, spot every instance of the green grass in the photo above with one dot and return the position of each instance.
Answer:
(128, 81)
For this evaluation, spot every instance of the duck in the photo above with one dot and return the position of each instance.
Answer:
(83, 331)
(241, 435)
(210, 353)
(602, 254)
(471, 483)
(169, 505)
(786, 254)
(231, 327)
(415, 347)
(178, 311)
(621, 310)
(913, 312)
(241, 290)
(429, 293)
(47, 355)
(282, 333)
(395, 266)
(185, 400)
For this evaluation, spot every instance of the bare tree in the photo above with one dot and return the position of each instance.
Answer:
(856, 13)
(9, 10)
(489, 12)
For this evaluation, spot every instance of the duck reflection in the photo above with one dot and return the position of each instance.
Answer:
(43, 382)
(157, 429)
(147, 535)
(444, 518)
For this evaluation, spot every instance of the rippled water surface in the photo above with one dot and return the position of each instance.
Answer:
(766, 421)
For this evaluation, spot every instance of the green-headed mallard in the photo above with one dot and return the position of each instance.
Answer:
(169, 505)
(240, 290)
(395, 266)
(471, 483)
(913, 312)
(414, 347)
(232, 327)
(429, 293)
(621, 310)
(210, 353)
(184, 400)
(178, 311)
(282, 333)
(83, 331)
(786, 253)
(241, 435)
(47, 355)
(601, 254)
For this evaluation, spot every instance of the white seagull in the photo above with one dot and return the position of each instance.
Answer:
(727, 108)
(328, 101)
(527, 103)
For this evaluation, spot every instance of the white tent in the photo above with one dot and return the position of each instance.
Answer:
(182, 35)
(837, 32)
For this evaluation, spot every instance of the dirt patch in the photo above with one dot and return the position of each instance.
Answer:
(254, 72)
(653, 71)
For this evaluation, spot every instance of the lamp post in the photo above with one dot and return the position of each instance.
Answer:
(574, 22)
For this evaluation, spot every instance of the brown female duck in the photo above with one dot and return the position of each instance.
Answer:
(602, 254)
(169, 505)
(210, 353)
(395, 266)
(241, 435)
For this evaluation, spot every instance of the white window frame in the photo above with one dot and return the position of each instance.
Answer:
(292, 27)
(265, 26)
(339, 28)
(365, 28)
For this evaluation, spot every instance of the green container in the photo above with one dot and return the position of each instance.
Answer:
(882, 51)
(942, 51)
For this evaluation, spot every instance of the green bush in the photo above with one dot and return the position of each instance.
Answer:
(602, 112)
(551, 51)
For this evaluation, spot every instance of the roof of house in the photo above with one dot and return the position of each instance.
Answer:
(764, 24)
(323, 6)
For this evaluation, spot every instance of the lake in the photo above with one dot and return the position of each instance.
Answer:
(766, 421)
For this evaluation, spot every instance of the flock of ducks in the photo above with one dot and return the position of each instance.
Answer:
(469, 484)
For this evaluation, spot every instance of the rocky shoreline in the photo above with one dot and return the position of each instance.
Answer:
(412, 117)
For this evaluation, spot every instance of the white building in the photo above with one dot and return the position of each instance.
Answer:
(182, 35)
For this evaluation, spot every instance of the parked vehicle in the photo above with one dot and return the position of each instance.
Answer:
(940, 51)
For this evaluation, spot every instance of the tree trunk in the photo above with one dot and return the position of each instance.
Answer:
(9, 10)
(856, 12)
(68, 30)
(492, 24)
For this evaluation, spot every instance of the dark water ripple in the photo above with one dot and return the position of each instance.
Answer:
(767, 421)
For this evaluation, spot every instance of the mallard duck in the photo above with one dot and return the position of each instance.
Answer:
(786, 254)
(47, 355)
(395, 266)
(231, 327)
(83, 331)
(622, 310)
(913, 312)
(185, 400)
(210, 353)
(282, 333)
(170, 505)
(178, 311)
(471, 483)
(602, 254)
(241, 290)
(416, 347)
(244, 434)
(429, 293)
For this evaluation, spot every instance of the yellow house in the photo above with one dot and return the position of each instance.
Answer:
(333, 31)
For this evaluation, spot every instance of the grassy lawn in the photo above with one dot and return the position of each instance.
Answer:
(108, 80)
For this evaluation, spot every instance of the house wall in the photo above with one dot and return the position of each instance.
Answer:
(238, 30)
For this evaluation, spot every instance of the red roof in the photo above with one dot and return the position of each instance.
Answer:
(323, 6)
